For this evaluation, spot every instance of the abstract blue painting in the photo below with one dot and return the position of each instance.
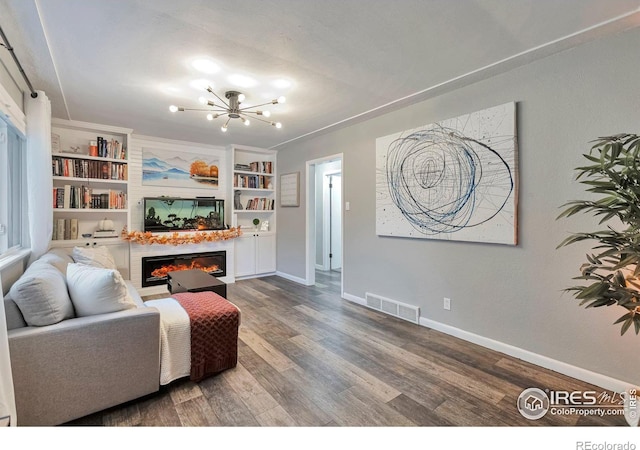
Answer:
(455, 179)
(167, 168)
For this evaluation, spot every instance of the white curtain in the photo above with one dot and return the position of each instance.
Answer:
(7, 399)
(39, 178)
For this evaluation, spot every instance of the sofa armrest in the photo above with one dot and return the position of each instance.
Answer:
(83, 365)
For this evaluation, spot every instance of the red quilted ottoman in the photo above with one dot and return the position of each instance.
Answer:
(214, 332)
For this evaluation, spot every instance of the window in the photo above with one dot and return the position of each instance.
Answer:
(13, 206)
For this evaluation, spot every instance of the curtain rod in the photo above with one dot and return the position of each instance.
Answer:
(6, 45)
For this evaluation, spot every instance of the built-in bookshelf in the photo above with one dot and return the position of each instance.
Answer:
(89, 165)
(254, 197)
(254, 182)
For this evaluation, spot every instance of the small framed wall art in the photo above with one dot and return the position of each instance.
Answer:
(290, 189)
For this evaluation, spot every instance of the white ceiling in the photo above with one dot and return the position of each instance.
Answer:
(123, 62)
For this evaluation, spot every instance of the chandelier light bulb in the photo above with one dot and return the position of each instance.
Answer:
(282, 99)
(202, 100)
(278, 125)
(241, 97)
(223, 128)
(247, 122)
(266, 113)
(173, 108)
(209, 116)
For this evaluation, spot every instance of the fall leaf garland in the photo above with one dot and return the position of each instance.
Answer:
(175, 238)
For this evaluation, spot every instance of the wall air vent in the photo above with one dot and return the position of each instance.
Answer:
(394, 308)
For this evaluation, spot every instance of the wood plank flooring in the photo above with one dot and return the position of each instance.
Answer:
(309, 358)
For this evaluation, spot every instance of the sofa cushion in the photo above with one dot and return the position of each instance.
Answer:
(57, 257)
(12, 314)
(99, 256)
(42, 296)
(95, 290)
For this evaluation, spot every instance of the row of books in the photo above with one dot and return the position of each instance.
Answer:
(256, 166)
(65, 229)
(85, 168)
(104, 148)
(83, 197)
(260, 204)
(252, 181)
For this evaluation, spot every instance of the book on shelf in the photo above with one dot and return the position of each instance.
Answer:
(60, 229)
(261, 166)
(83, 197)
(74, 229)
(67, 229)
(83, 168)
(260, 204)
(252, 181)
(66, 199)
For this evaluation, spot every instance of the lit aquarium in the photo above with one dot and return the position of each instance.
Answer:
(183, 214)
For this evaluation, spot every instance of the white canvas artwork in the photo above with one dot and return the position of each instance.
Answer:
(455, 179)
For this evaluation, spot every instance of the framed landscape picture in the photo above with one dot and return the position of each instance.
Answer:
(168, 169)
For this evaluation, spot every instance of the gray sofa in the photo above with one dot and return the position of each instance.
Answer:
(82, 365)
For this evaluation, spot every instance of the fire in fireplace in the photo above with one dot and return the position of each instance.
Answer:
(155, 268)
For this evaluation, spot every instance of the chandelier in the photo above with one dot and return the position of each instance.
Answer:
(232, 109)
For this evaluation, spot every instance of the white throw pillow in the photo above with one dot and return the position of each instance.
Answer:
(58, 258)
(99, 256)
(95, 290)
(41, 295)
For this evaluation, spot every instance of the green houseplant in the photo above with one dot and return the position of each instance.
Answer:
(610, 275)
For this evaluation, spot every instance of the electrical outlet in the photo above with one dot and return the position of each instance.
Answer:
(447, 303)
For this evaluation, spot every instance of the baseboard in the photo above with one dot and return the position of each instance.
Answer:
(292, 278)
(578, 373)
(354, 299)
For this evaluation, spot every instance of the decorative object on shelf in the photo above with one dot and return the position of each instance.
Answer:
(612, 274)
(55, 143)
(256, 222)
(106, 229)
(264, 226)
(237, 202)
(231, 108)
(148, 238)
(166, 168)
(290, 189)
(86, 235)
(106, 225)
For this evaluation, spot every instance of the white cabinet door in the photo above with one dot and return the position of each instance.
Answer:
(245, 254)
(265, 253)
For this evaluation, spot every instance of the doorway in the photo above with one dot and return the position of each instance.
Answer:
(324, 221)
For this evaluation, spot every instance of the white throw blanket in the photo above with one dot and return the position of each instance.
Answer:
(175, 340)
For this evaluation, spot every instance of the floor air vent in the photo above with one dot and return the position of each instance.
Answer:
(392, 307)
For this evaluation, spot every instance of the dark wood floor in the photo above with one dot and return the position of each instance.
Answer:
(309, 358)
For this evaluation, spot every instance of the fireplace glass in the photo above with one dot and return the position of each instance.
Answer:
(155, 268)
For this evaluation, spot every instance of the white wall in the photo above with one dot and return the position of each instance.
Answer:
(510, 294)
